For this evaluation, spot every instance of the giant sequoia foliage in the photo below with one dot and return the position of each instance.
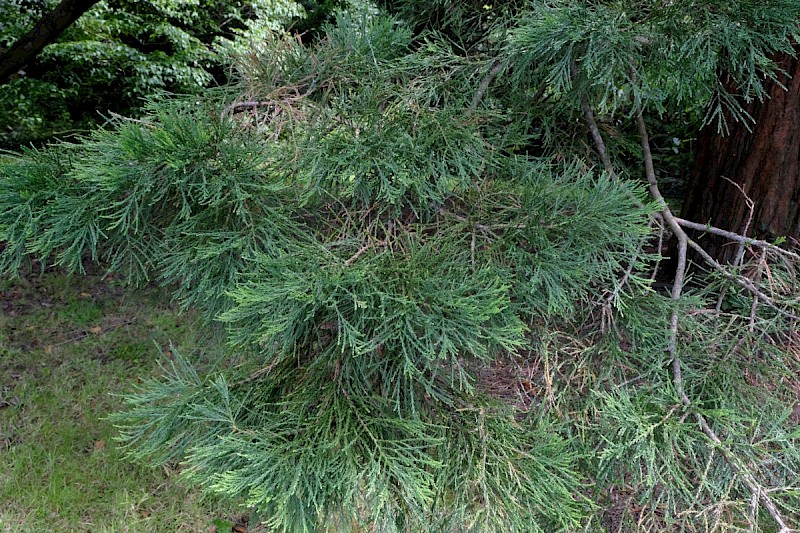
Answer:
(433, 261)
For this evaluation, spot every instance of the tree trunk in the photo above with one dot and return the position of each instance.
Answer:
(45, 31)
(764, 163)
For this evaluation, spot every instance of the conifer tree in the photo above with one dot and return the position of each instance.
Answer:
(428, 242)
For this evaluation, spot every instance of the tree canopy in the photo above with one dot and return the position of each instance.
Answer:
(122, 52)
(432, 236)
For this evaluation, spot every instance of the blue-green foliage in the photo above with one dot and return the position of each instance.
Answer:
(187, 197)
(331, 252)
(437, 323)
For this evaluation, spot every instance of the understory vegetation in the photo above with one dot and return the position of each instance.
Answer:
(433, 268)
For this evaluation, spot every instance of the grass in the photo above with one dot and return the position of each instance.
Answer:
(67, 345)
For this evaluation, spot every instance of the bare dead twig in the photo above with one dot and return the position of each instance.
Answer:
(238, 107)
(740, 280)
(86, 334)
(129, 119)
(736, 237)
(660, 221)
(741, 247)
(485, 227)
(472, 251)
(361, 251)
(762, 264)
(257, 374)
(751, 208)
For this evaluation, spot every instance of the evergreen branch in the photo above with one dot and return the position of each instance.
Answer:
(371, 390)
(622, 283)
(741, 469)
(485, 227)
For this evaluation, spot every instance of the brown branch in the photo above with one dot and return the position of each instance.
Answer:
(598, 138)
(588, 114)
(496, 68)
(680, 273)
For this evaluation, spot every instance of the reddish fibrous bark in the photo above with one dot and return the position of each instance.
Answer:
(764, 163)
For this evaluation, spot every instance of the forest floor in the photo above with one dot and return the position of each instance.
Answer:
(68, 346)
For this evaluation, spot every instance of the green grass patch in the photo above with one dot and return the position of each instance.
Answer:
(68, 346)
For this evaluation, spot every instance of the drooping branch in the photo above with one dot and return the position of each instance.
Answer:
(45, 31)
(755, 487)
(680, 273)
(743, 471)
